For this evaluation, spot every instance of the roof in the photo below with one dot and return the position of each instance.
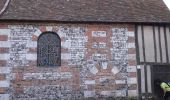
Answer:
(2, 3)
(88, 10)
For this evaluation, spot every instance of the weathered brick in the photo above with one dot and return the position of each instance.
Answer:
(132, 62)
(34, 38)
(32, 50)
(132, 87)
(131, 51)
(2, 90)
(2, 77)
(3, 37)
(19, 90)
(3, 63)
(4, 50)
(132, 74)
(131, 40)
(3, 26)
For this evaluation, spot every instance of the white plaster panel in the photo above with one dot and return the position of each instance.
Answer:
(31, 56)
(149, 44)
(32, 44)
(132, 93)
(5, 70)
(4, 56)
(4, 96)
(132, 81)
(5, 32)
(149, 83)
(89, 94)
(130, 45)
(88, 82)
(5, 44)
(4, 83)
(131, 69)
(130, 33)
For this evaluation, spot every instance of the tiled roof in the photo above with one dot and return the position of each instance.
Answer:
(88, 10)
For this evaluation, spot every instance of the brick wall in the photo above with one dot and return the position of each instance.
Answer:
(98, 61)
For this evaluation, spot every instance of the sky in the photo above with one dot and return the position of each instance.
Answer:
(167, 2)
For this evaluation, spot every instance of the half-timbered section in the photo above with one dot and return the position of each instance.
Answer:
(153, 53)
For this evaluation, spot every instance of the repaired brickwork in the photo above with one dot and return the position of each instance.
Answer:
(97, 61)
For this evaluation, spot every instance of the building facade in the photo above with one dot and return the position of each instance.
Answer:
(71, 50)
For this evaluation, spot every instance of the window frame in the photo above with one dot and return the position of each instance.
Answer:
(59, 50)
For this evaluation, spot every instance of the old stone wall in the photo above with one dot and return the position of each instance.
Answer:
(97, 61)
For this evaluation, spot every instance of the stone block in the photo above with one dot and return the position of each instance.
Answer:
(4, 96)
(49, 28)
(37, 33)
(90, 82)
(5, 44)
(108, 93)
(131, 33)
(5, 31)
(32, 44)
(4, 83)
(131, 69)
(88, 94)
(132, 80)
(31, 57)
(93, 70)
(99, 33)
(132, 93)
(120, 81)
(5, 70)
(104, 65)
(120, 93)
(4, 56)
(131, 45)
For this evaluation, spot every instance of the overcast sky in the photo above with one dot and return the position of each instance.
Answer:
(167, 2)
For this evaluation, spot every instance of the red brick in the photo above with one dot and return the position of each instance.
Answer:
(4, 50)
(132, 62)
(132, 87)
(3, 26)
(2, 90)
(132, 74)
(3, 63)
(34, 38)
(131, 51)
(18, 76)
(3, 37)
(2, 77)
(19, 90)
(131, 40)
(32, 50)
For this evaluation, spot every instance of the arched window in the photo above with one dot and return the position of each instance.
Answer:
(49, 50)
